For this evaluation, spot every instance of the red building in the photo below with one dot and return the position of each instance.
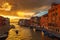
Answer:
(51, 21)
(44, 21)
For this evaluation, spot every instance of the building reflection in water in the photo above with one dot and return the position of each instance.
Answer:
(26, 34)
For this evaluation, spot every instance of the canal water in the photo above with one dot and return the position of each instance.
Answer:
(25, 33)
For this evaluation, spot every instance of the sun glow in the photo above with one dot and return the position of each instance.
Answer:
(21, 14)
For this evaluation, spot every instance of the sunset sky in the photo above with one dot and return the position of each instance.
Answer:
(21, 7)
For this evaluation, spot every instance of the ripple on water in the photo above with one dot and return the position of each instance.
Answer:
(23, 34)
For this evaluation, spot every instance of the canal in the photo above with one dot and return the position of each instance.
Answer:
(25, 33)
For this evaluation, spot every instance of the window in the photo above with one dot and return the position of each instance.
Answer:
(52, 9)
(55, 14)
(57, 30)
(53, 18)
(56, 8)
(52, 24)
(49, 24)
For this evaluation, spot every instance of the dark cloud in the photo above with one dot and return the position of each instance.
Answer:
(29, 4)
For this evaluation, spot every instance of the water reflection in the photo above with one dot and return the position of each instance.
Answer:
(26, 34)
(23, 34)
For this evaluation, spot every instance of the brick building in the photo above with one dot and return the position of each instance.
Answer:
(51, 21)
